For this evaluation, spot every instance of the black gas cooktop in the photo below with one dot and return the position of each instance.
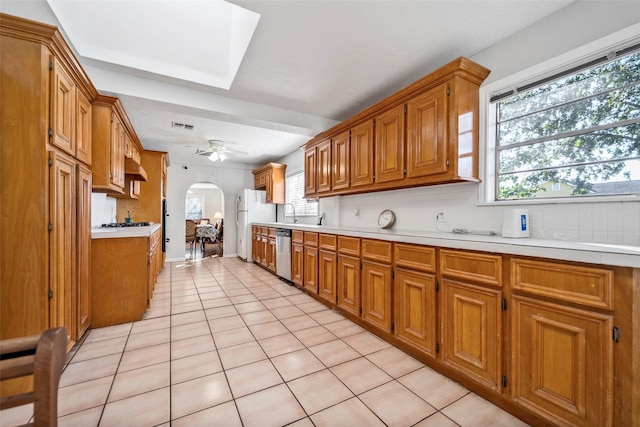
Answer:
(127, 224)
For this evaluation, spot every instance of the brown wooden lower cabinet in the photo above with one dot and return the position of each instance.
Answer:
(415, 309)
(311, 269)
(118, 280)
(327, 266)
(271, 254)
(123, 271)
(310, 274)
(376, 294)
(348, 284)
(562, 363)
(297, 264)
(255, 244)
(470, 318)
(537, 337)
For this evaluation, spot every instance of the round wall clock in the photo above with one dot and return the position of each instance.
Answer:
(386, 218)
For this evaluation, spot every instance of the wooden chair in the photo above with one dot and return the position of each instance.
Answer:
(43, 357)
(219, 237)
(191, 235)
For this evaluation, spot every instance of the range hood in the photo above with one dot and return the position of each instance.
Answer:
(134, 170)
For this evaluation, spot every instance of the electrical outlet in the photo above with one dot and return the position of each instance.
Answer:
(440, 216)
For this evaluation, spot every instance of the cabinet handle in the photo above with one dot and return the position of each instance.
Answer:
(616, 334)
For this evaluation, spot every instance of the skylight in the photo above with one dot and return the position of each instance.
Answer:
(202, 41)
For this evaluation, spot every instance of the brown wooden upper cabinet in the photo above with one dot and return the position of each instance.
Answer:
(111, 130)
(361, 159)
(271, 178)
(389, 145)
(425, 134)
(319, 169)
(340, 165)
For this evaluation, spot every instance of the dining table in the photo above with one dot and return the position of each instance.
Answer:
(205, 231)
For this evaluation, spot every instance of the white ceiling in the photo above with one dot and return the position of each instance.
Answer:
(309, 65)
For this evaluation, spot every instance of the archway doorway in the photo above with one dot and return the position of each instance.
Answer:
(204, 204)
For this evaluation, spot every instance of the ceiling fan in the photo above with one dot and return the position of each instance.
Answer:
(217, 151)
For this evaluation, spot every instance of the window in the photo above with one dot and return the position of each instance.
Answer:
(571, 135)
(294, 194)
(194, 207)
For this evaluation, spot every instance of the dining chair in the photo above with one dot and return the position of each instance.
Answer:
(43, 357)
(219, 237)
(191, 235)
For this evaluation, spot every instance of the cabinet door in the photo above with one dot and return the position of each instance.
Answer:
(471, 330)
(340, 150)
(62, 243)
(389, 143)
(255, 245)
(415, 309)
(426, 133)
(135, 189)
(264, 250)
(271, 255)
(311, 269)
(117, 152)
(83, 220)
(362, 155)
(268, 182)
(348, 284)
(310, 172)
(376, 294)
(297, 264)
(323, 179)
(327, 276)
(562, 362)
(83, 129)
(63, 100)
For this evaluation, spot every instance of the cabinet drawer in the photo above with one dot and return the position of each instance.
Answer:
(415, 257)
(327, 242)
(481, 268)
(272, 232)
(297, 236)
(264, 231)
(578, 284)
(377, 250)
(255, 229)
(311, 239)
(349, 245)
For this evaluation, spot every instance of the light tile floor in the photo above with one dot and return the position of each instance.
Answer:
(226, 343)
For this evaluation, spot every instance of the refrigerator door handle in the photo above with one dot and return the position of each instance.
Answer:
(237, 209)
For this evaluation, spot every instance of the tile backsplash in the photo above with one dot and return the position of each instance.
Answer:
(416, 209)
(103, 209)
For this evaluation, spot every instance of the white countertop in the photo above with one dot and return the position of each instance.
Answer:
(597, 253)
(119, 232)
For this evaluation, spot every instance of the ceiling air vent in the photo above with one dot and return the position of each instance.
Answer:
(184, 126)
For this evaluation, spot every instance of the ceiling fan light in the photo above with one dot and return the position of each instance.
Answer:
(213, 157)
(222, 157)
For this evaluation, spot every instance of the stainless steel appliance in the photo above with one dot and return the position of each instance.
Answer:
(251, 207)
(283, 253)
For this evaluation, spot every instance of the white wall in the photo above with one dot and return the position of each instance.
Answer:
(228, 177)
(213, 200)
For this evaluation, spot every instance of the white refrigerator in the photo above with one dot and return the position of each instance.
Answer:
(251, 207)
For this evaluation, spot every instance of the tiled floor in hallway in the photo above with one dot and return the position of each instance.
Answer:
(226, 343)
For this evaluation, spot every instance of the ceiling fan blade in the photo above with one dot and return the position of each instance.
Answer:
(229, 150)
(201, 152)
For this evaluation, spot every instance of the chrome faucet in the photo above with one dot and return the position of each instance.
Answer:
(295, 220)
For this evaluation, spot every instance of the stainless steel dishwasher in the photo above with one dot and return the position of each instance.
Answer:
(283, 253)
